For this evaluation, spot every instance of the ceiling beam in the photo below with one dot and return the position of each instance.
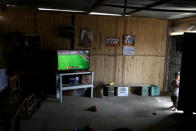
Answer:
(150, 9)
(160, 2)
(96, 5)
(125, 4)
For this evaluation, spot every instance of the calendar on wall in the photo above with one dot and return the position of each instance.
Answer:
(128, 50)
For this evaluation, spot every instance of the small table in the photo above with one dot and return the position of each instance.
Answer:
(62, 88)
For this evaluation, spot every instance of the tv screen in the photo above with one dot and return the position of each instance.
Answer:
(73, 59)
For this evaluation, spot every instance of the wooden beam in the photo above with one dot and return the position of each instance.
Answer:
(125, 4)
(149, 9)
(96, 5)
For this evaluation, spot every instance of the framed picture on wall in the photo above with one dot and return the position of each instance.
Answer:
(129, 40)
(86, 38)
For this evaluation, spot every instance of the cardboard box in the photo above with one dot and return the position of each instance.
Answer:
(86, 79)
(122, 90)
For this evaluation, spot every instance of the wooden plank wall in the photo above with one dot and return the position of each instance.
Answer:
(47, 22)
(108, 63)
(146, 67)
(31, 21)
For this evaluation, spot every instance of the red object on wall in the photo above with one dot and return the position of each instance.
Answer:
(113, 41)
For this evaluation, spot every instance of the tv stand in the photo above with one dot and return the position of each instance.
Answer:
(60, 88)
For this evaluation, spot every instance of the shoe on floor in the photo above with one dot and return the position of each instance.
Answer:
(174, 109)
(171, 107)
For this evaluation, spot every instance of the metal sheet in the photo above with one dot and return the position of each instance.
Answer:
(85, 5)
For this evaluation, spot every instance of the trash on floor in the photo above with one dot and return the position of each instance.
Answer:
(93, 108)
(154, 113)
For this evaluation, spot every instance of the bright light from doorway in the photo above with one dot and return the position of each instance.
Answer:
(179, 111)
(176, 33)
(180, 33)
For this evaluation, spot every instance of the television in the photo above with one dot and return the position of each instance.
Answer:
(73, 60)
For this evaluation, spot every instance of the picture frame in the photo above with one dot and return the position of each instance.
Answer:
(129, 40)
(86, 38)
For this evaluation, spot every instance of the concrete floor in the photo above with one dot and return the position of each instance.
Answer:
(135, 112)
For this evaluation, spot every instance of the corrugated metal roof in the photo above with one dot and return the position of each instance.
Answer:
(166, 9)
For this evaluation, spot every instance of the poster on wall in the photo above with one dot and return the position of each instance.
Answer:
(128, 50)
(86, 38)
(129, 40)
(113, 41)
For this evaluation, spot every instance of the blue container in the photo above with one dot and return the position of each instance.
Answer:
(144, 90)
(72, 80)
(154, 90)
(140, 90)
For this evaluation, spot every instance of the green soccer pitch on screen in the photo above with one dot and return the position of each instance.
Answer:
(73, 59)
